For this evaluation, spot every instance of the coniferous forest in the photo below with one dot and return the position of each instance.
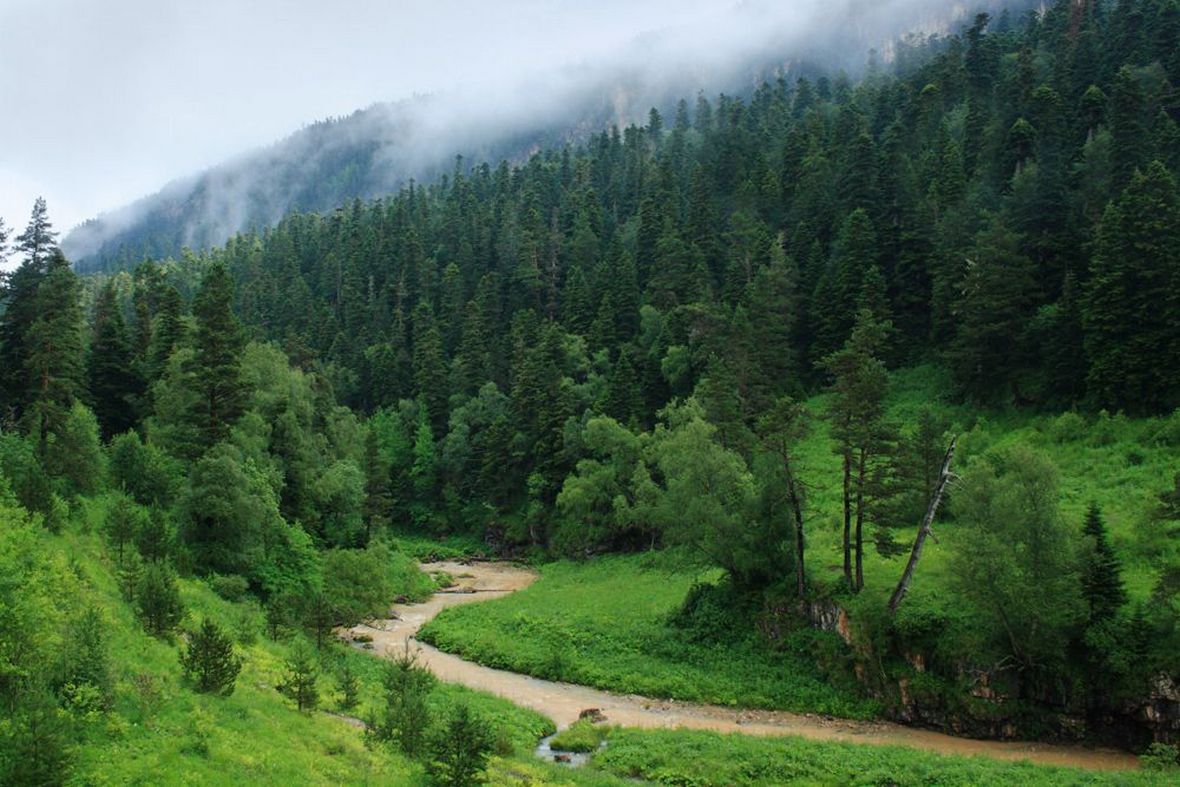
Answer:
(849, 395)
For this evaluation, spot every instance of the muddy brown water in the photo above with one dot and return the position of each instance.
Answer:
(563, 702)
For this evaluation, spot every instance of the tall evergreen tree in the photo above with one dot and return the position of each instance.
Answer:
(1131, 315)
(54, 362)
(113, 382)
(856, 411)
(215, 371)
(1102, 582)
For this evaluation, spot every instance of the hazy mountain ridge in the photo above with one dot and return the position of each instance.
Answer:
(376, 151)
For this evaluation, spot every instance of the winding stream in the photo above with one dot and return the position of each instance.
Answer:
(562, 702)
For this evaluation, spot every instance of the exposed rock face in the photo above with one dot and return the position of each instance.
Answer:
(1161, 711)
(997, 703)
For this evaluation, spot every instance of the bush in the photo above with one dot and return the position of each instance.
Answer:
(1168, 433)
(459, 749)
(230, 587)
(1161, 757)
(86, 661)
(210, 663)
(1068, 427)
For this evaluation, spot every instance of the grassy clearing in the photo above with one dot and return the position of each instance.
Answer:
(602, 624)
(683, 757)
(1120, 463)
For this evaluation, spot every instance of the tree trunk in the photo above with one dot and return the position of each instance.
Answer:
(797, 510)
(862, 460)
(903, 585)
(848, 517)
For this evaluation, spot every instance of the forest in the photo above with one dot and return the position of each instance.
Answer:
(872, 383)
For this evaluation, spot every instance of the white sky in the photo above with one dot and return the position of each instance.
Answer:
(103, 101)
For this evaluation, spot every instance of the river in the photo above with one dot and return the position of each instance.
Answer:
(563, 702)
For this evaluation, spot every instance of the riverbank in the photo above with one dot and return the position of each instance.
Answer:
(564, 702)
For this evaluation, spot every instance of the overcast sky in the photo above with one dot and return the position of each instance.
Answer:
(104, 101)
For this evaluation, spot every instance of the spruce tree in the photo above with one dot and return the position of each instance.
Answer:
(1102, 583)
(114, 384)
(53, 346)
(215, 369)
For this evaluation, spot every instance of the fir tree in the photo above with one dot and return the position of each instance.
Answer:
(215, 369)
(1102, 583)
(113, 382)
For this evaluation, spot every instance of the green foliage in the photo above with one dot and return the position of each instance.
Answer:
(210, 662)
(403, 719)
(142, 470)
(460, 748)
(301, 676)
(705, 758)
(157, 599)
(1015, 563)
(581, 736)
(1161, 757)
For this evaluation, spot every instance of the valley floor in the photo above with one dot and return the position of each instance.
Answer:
(679, 723)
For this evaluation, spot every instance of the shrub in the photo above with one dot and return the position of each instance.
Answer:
(86, 661)
(581, 736)
(230, 587)
(1168, 433)
(210, 663)
(1161, 757)
(1068, 427)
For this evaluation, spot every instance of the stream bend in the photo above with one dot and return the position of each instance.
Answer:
(563, 702)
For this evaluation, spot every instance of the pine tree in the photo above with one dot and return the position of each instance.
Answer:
(53, 346)
(430, 367)
(215, 369)
(168, 333)
(460, 751)
(210, 662)
(39, 240)
(995, 307)
(113, 382)
(1102, 583)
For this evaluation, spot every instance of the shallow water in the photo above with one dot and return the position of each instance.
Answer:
(563, 702)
